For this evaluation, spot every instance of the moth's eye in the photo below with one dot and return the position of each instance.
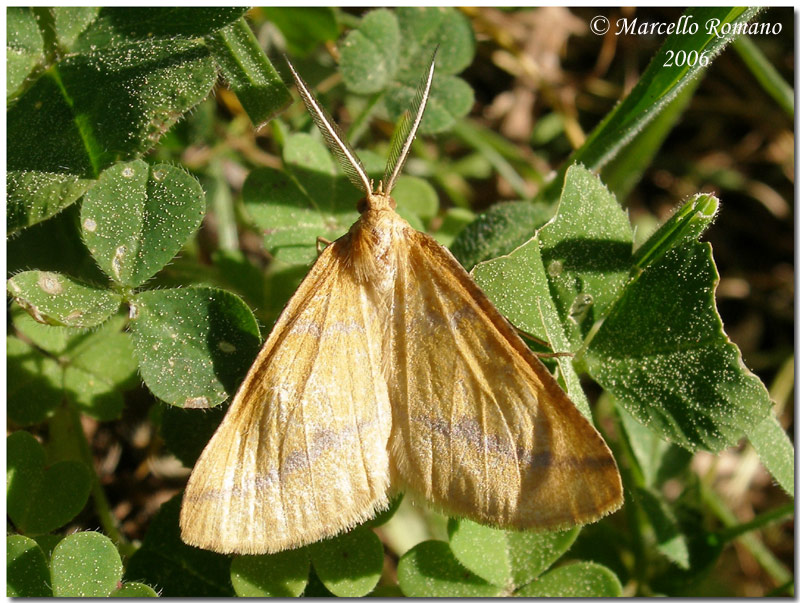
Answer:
(362, 205)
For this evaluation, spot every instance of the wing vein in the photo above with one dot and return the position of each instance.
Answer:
(302, 407)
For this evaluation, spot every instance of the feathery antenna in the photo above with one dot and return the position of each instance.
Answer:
(407, 129)
(345, 155)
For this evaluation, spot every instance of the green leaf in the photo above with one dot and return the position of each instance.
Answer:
(249, 72)
(389, 52)
(505, 558)
(41, 499)
(116, 26)
(281, 575)
(24, 46)
(90, 110)
(94, 368)
(54, 245)
(705, 549)
(424, 28)
(451, 98)
(515, 221)
(134, 589)
(416, 196)
(349, 565)
(27, 574)
(48, 542)
(453, 223)
(431, 570)
(85, 565)
(138, 217)
(174, 568)
(662, 353)
(669, 539)
(34, 196)
(45, 337)
(492, 151)
(240, 275)
(656, 88)
(292, 217)
(584, 579)
(368, 55)
(71, 21)
(769, 78)
(518, 286)
(658, 460)
(312, 165)
(56, 299)
(34, 383)
(99, 370)
(623, 172)
(303, 27)
(775, 450)
(586, 250)
(285, 215)
(193, 345)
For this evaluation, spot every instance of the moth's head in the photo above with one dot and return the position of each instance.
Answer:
(376, 199)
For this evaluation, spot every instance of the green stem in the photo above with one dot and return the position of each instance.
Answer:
(472, 136)
(221, 200)
(632, 478)
(750, 541)
(359, 125)
(757, 522)
(101, 506)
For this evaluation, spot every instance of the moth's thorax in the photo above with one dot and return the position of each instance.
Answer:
(377, 240)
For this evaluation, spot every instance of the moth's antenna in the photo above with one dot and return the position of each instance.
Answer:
(344, 153)
(406, 130)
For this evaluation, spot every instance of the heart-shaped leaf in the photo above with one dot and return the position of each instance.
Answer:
(351, 564)
(193, 345)
(431, 570)
(505, 558)
(576, 580)
(138, 217)
(40, 498)
(281, 575)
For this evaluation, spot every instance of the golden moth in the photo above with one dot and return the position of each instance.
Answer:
(389, 369)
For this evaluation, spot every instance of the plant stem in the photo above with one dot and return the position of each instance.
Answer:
(472, 136)
(221, 200)
(750, 541)
(103, 510)
(757, 522)
(359, 125)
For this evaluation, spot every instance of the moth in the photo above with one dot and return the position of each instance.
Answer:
(390, 370)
